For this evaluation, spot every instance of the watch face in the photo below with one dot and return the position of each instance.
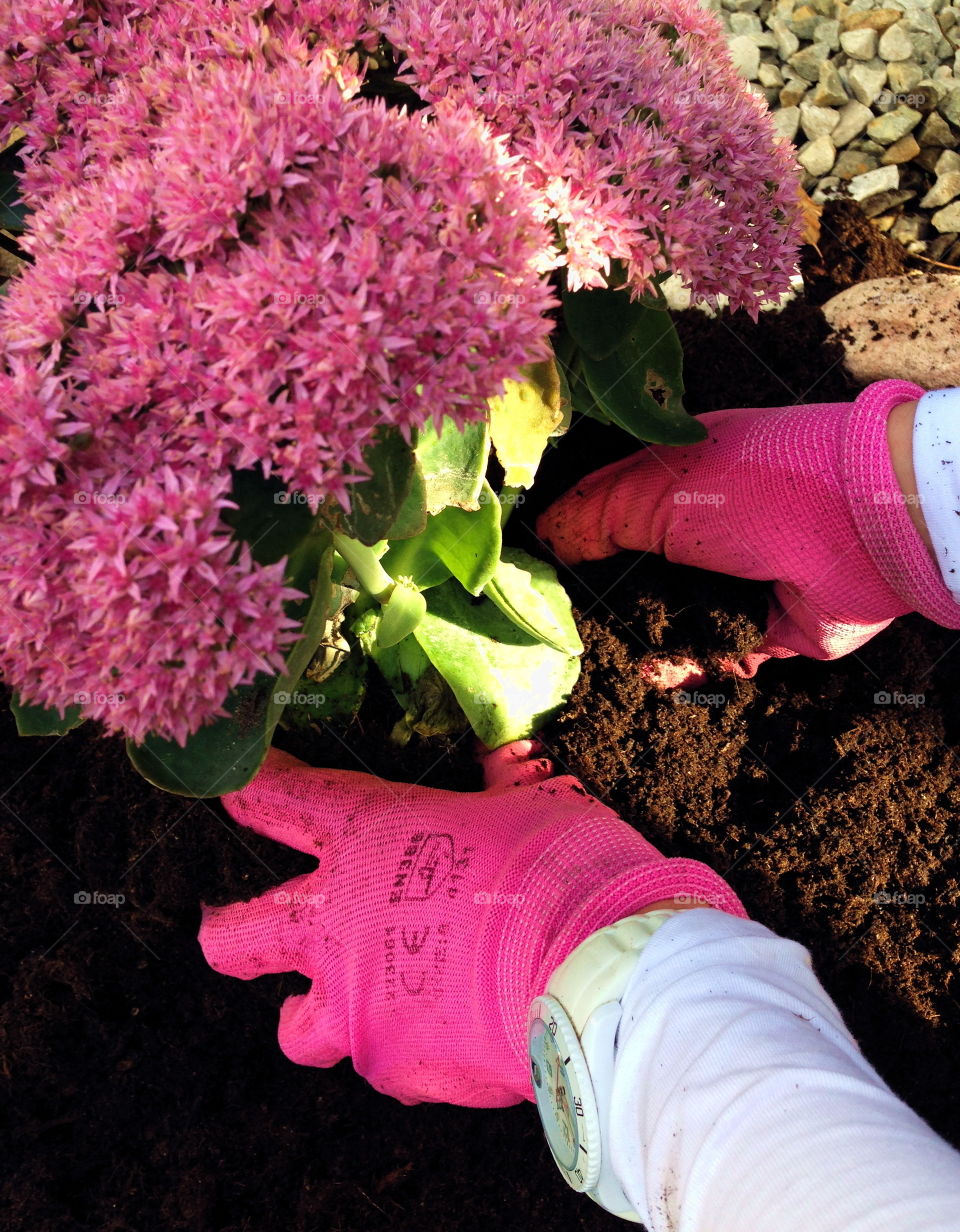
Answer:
(564, 1093)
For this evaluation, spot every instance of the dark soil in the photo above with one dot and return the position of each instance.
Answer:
(147, 1092)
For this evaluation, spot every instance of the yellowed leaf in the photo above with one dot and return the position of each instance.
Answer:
(524, 419)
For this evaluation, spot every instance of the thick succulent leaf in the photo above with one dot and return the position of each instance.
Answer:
(454, 462)
(461, 542)
(402, 612)
(639, 386)
(524, 419)
(508, 683)
(378, 501)
(42, 720)
(527, 591)
(270, 519)
(412, 517)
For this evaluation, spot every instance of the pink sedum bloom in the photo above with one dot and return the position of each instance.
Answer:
(633, 125)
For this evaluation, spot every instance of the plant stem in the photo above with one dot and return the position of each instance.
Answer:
(371, 575)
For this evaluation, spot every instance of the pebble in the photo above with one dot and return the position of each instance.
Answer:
(895, 43)
(861, 43)
(817, 156)
(869, 90)
(944, 190)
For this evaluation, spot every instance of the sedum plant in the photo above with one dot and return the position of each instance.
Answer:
(290, 271)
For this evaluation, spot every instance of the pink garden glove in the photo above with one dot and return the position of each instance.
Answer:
(434, 917)
(802, 496)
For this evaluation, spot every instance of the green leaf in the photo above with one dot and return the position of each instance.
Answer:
(523, 419)
(599, 320)
(338, 697)
(526, 590)
(454, 463)
(42, 720)
(412, 518)
(402, 612)
(221, 757)
(508, 683)
(640, 387)
(13, 212)
(270, 519)
(377, 502)
(402, 664)
(226, 754)
(458, 542)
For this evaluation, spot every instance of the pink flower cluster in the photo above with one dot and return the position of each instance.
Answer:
(634, 128)
(240, 261)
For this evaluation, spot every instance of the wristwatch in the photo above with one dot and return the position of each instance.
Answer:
(572, 1040)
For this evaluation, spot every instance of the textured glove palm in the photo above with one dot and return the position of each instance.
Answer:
(434, 917)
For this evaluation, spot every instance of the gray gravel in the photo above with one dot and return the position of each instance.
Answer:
(869, 94)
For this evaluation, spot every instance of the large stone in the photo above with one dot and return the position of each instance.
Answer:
(947, 219)
(902, 151)
(853, 120)
(806, 63)
(936, 132)
(770, 77)
(902, 77)
(745, 23)
(828, 33)
(873, 19)
(867, 80)
(896, 43)
(883, 179)
(900, 327)
(804, 20)
(946, 189)
(817, 157)
(861, 43)
(817, 121)
(745, 56)
(786, 121)
(829, 91)
(895, 124)
(949, 160)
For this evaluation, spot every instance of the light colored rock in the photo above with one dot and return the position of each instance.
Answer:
(853, 120)
(770, 75)
(817, 157)
(861, 43)
(804, 20)
(745, 23)
(947, 219)
(909, 228)
(786, 121)
(902, 151)
(866, 81)
(900, 327)
(817, 121)
(828, 33)
(895, 124)
(949, 160)
(829, 91)
(852, 162)
(883, 179)
(787, 41)
(872, 19)
(949, 108)
(936, 132)
(902, 77)
(806, 63)
(895, 43)
(826, 188)
(745, 56)
(793, 92)
(946, 189)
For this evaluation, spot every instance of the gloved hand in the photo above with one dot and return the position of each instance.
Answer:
(435, 917)
(803, 496)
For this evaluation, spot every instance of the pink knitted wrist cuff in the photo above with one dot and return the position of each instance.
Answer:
(879, 510)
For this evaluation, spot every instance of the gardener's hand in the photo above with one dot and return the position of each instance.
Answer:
(803, 496)
(434, 917)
